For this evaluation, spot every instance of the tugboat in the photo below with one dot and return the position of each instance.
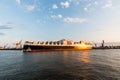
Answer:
(56, 45)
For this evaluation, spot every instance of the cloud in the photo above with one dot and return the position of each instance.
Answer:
(30, 7)
(65, 4)
(91, 7)
(56, 16)
(18, 1)
(5, 27)
(88, 7)
(74, 20)
(109, 4)
(54, 6)
(76, 2)
(9, 23)
(2, 34)
(96, 3)
(60, 16)
(40, 21)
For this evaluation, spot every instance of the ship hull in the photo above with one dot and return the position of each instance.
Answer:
(37, 48)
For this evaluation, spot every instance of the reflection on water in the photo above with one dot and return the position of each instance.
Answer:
(85, 56)
(60, 65)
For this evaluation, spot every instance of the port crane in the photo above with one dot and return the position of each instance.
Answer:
(5, 46)
(18, 44)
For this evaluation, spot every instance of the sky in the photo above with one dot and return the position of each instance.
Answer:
(46, 20)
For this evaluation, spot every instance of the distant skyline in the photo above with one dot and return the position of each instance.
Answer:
(39, 20)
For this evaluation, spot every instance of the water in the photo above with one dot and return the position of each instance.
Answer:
(60, 65)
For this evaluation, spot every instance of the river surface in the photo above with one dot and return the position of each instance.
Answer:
(60, 65)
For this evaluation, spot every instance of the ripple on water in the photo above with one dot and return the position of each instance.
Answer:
(60, 65)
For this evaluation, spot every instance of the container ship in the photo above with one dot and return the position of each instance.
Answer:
(55, 45)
